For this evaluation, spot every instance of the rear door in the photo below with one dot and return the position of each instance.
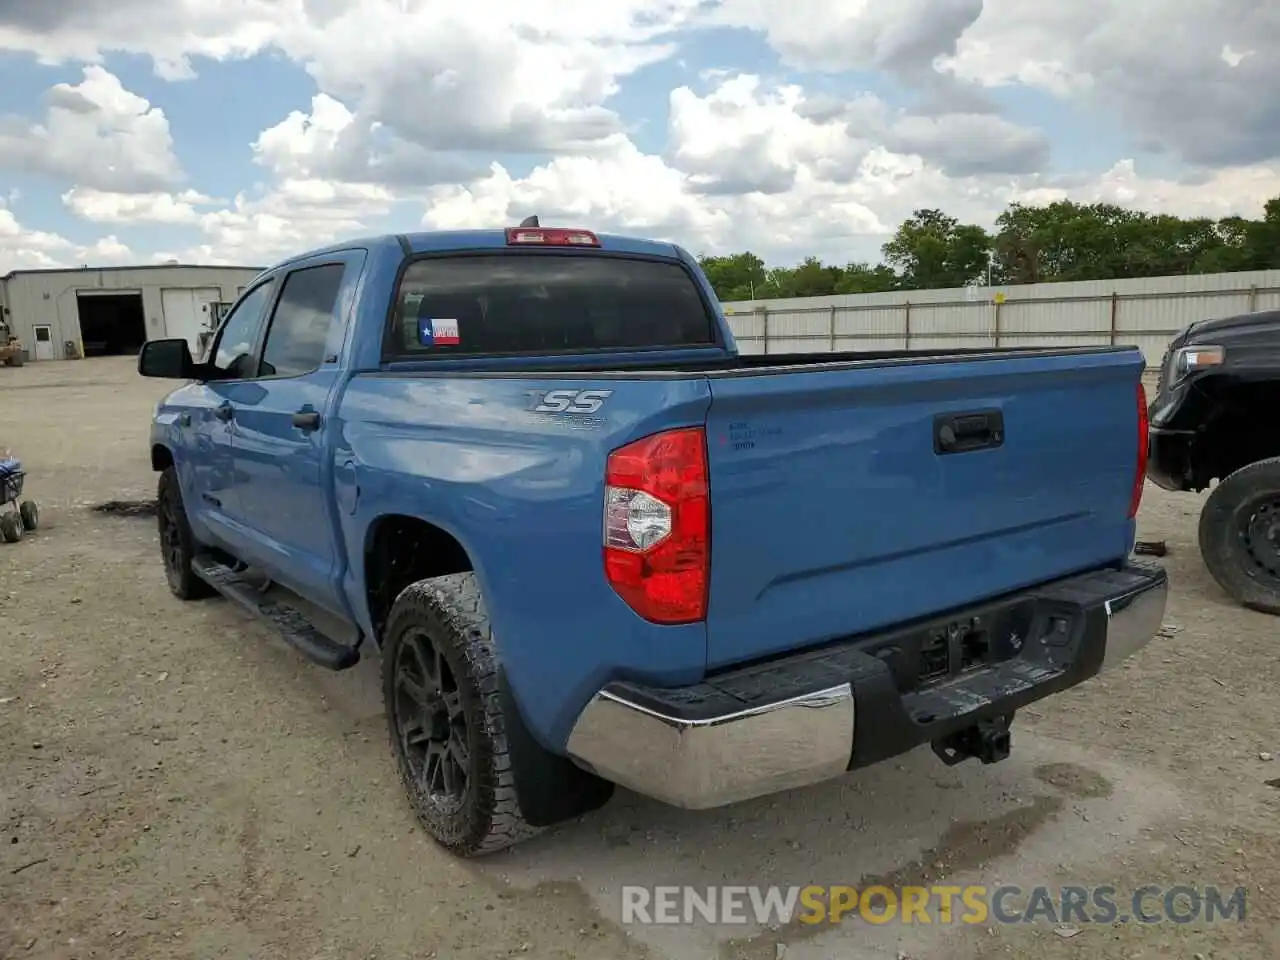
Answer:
(840, 506)
(284, 490)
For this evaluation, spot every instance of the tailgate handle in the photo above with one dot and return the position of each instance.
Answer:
(963, 432)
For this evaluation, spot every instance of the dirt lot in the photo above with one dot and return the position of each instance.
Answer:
(175, 783)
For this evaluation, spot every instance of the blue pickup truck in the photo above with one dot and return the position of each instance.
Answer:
(594, 544)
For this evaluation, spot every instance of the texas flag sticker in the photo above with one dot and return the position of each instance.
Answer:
(438, 332)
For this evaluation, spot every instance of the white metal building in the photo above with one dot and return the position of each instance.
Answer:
(1146, 313)
(94, 311)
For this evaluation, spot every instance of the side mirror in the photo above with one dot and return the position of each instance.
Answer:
(168, 359)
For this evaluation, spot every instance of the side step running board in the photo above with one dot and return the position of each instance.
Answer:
(297, 631)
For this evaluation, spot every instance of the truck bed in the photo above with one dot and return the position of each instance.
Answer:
(688, 363)
(833, 510)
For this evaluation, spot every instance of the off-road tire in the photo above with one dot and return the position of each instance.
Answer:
(176, 555)
(10, 527)
(451, 613)
(30, 514)
(1222, 544)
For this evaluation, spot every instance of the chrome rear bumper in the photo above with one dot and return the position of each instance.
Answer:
(692, 748)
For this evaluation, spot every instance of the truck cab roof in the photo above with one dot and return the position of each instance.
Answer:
(448, 241)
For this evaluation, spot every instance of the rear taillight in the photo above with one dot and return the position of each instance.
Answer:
(1140, 479)
(657, 525)
(551, 237)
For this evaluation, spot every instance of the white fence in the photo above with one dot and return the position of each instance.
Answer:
(1146, 313)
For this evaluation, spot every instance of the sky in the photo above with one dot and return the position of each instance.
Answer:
(245, 131)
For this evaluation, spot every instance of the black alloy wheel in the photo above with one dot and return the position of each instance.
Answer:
(431, 722)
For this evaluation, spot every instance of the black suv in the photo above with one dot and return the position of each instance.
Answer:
(1216, 416)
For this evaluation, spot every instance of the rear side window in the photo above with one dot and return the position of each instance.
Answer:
(296, 337)
(539, 303)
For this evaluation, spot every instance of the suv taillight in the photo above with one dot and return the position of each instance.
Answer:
(657, 525)
(1135, 500)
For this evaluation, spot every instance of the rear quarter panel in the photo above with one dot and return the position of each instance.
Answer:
(523, 492)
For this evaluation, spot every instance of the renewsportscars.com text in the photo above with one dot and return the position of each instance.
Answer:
(1005, 904)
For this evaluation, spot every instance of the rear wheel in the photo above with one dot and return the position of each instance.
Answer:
(30, 514)
(177, 547)
(444, 712)
(1240, 535)
(10, 527)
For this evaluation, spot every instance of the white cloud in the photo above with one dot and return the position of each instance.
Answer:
(744, 138)
(511, 73)
(170, 32)
(1167, 68)
(1214, 194)
(21, 248)
(303, 143)
(107, 207)
(330, 142)
(523, 75)
(792, 185)
(24, 249)
(414, 102)
(904, 36)
(96, 134)
(294, 216)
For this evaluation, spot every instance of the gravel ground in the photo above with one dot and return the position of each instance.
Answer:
(176, 783)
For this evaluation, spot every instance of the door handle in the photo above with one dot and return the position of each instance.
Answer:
(224, 412)
(306, 420)
(962, 432)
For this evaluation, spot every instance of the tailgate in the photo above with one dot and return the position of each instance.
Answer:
(851, 497)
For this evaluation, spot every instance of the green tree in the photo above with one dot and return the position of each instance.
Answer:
(932, 249)
(739, 276)
(810, 278)
(1032, 244)
(864, 278)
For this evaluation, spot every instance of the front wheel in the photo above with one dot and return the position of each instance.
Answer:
(440, 687)
(30, 515)
(10, 527)
(177, 546)
(1240, 535)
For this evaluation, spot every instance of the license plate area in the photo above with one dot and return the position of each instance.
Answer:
(954, 648)
(937, 651)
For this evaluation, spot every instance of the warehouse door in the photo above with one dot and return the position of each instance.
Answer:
(111, 323)
(187, 312)
(44, 342)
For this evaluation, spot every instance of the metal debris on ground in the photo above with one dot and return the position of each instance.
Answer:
(1168, 631)
(1151, 548)
(1066, 933)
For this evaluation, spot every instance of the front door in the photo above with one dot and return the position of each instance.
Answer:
(211, 499)
(280, 440)
(44, 342)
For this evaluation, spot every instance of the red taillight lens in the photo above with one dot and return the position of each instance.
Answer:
(657, 525)
(1140, 479)
(550, 237)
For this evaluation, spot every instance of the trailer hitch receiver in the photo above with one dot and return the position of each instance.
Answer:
(988, 740)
